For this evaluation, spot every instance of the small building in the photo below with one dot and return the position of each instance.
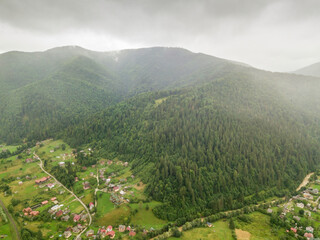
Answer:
(76, 218)
(307, 213)
(128, 228)
(90, 233)
(34, 213)
(29, 160)
(122, 228)
(116, 188)
(42, 180)
(300, 205)
(20, 183)
(122, 192)
(315, 191)
(86, 185)
(53, 199)
(132, 233)
(309, 229)
(50, 185)
(109, 228)
(308, 235)
(62, 164)
(111, 234)
(67, 234)
(209, 224)
(296, 218)
(269, 210)
(293, 230)
(65, 218)
(59, 213)
(91, 205)
(75, 229)
(44, 202)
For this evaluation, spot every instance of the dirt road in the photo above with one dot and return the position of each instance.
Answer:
(85, 207)
(305, 181)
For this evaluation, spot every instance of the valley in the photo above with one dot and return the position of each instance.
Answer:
(106, 199)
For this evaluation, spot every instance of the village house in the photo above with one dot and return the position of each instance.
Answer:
(269, 210)
(76, 179)
(59, 213)
(309, 229)
(34, 213)
(122, 192)
(308, 235)
(44, 202)
(126, 164)
(29, 160)
(102, 232)
(86, 185)
(65, 218)
(209, 224)
(52, 151)
(91, 205)
(296, 218)
(67, 234)
(76, 218)
(42, 180)
(84, 217)
(300, 205)
(111, 234)
(109, 162)
(308, 196)
(75, 229)
(109, 228)
(122, 228)
(62, 164)
(53, 199)
(307, 213)
(116, 189)
(20, 183)
(90, 233)
(315, 191)
(293, 230)
(132, 233)
(50, 185)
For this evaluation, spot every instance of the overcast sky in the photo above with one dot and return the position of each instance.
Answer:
(276, 35)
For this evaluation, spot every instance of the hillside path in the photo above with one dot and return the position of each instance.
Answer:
(85, 207)
(305, 181)
(12, 222)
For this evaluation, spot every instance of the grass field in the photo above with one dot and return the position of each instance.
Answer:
(219, 231)
(259, 228)
(146, 218)
(115, 217)
(104, 204)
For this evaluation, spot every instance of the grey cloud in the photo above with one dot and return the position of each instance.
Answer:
(219, 27)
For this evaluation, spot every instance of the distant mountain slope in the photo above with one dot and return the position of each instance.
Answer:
(312, 70)
(43, 92)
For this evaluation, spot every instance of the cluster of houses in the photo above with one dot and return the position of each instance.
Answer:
(29, 212)
(76, 229)
(311, 196)
(104, 232)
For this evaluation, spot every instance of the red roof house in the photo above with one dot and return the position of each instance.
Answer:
(76, 218)
(44, 202)
(132, 234)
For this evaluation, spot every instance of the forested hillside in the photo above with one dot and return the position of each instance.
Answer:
(205, 134)
(205, 149)
(42, 93)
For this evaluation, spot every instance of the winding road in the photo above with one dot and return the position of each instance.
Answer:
(72, 193)
(12, 222)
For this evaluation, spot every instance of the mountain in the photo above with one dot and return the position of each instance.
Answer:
(312, 70)
(44, 92)
(205, 134)
(220, 144)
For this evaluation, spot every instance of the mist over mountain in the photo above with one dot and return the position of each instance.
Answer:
(312, 70)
